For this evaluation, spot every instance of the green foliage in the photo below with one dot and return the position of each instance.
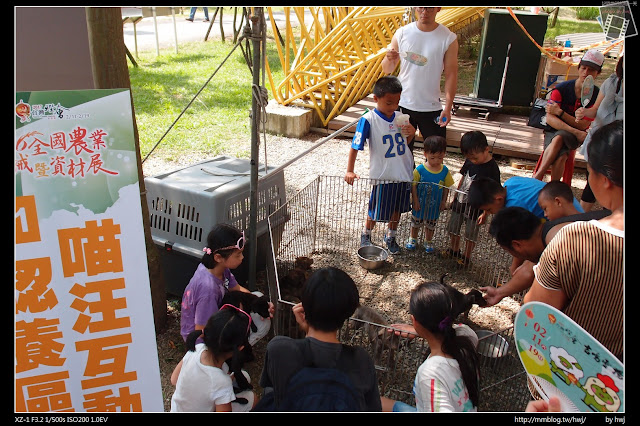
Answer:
(587, 13)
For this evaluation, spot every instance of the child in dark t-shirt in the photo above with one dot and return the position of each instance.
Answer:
(479, 163)
(329, 298)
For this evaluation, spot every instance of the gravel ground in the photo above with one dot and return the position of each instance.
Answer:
(329, 159)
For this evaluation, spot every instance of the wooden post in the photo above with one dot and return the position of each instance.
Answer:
(256, 41)
(109, 64)
(213, 18)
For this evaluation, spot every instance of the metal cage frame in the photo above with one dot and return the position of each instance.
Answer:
(326, 217)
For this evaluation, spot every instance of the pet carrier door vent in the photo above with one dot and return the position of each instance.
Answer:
(161, 205)
(188, 212)
(189, 231)
(162, 219)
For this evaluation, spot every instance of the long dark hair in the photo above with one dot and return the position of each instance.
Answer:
(432, 306)
(619, 72)
(605, 152)
(225, 332)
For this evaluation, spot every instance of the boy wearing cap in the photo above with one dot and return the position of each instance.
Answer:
(567, 134)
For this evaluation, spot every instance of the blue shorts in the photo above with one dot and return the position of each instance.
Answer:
(388, 198)
(401, 407)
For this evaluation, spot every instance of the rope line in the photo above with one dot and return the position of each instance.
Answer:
(546, 51)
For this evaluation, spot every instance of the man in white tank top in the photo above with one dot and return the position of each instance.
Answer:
(425, 49)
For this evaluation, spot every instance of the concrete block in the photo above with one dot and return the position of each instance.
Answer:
(289, 121)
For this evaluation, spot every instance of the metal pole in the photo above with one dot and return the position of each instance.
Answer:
(175, 30)
(155, 28)
(256, 23)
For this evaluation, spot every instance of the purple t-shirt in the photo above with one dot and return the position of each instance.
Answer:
(202, 298)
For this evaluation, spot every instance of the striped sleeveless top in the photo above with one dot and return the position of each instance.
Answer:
(585, 261)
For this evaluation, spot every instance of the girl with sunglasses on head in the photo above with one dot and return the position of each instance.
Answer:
(201, 378)
(213, 278)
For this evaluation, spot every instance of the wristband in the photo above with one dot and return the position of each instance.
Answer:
(561, 114)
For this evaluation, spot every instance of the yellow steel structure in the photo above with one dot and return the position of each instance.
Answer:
(335, 60)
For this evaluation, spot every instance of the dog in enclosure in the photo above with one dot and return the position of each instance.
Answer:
(463, 302)
(248, 302)
(304, 263)
(379, 337)
(291, 283)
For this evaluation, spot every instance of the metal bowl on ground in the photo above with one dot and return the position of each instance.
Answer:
(491, 345)
(372, 257)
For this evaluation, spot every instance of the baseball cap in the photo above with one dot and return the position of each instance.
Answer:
(593, 58)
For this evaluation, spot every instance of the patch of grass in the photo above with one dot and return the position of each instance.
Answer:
(163, 86)
(570, 26)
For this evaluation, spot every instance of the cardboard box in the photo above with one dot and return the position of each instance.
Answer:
(551, 80)
(557, 68)
(550, 73)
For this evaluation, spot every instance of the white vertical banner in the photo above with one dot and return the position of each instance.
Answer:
(84, 329)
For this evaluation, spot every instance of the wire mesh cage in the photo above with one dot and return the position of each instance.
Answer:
(328, 216)
(323, 224)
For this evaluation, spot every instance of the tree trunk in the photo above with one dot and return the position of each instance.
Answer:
(109, 63)
(554, 19)
(221, 28)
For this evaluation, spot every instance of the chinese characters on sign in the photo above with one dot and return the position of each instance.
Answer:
(84, 333)
(94, 249)
(62, 154)
(566, 361)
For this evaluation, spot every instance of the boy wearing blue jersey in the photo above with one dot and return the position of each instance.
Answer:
(390, 160)
(431, 182)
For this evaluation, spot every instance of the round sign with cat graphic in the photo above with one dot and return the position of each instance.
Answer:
(561, 359)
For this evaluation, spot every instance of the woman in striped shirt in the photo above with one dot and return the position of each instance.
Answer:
(581, 270)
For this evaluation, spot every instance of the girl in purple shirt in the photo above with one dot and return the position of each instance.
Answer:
(213, 278)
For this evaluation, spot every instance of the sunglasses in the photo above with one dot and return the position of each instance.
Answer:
(239, 245)
(226, 305)
(424, 9)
